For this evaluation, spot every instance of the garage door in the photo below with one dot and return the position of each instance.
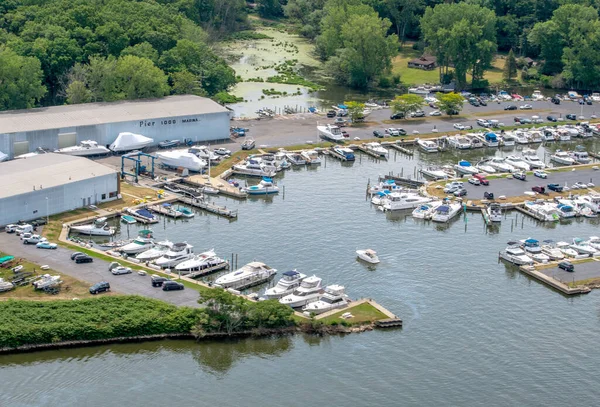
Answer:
(20, 147)
(67, 139)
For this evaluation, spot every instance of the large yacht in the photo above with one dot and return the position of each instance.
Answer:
(516, 255)
(331, 133)
(531, 158)
(286, 285)
(246, 275)
(199, 262)
(155, 252)
(141, 243)
(98, 228)
(334, 297)
(544, 211)
(517, 162)
(376, 149)
(178, 253)
(84, 149)
(500, 164)
(310, 290)
(403, 200)
(562, 157)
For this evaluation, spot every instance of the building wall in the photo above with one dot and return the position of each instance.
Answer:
(62, 198)
(198, 128)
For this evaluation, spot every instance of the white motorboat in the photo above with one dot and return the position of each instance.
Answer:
(489, 139)
(264, 187)
(168, 143)
(178, 253)
(3, 157)
(566, 209)
(465, 168)
(141, 243)
(531, 158)
(5, 285)
(535, 136)
(185, 212)
(521, 137)
(249, 274)
(507, 140)
(592, 201)
(485, 167)
(199, 262)
(254, 167)
(435, 173)
(537, 95)
(549, 135)
(387, 185)
(426, 210)
(46, 281)
(494, 212)
(368, 255)
(475, 141)
(459, 142)
(127, 141)
(566, 249)
(181, 159)
(38, 151)
(533, 249)
(582, 247)
(130, 220)
(594, 241)
(549, 249)
(428, 146)
(345, 152)
(309, 291)
(84, 149)
(376, 148)
(445, 212)
(204, 153)
(334, 297)
(562, 157)
(289, 281)
(330, 132)
(515, 255)
(311, 157)
(564, 135)
(517, 162)
(403, 200)
(581, 157)
(157, 251)
(544, 211)
(500, 164)
(98, 228)
(296, 159)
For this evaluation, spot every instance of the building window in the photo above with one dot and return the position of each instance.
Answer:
(103, 197)
(112, 194)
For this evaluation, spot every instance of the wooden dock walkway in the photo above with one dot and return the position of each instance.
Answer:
(332, 153)
(408, 182)
(166, 211)
(362, 149)
(210, 207)
(401, 149)
(219, 183)
(526, 212)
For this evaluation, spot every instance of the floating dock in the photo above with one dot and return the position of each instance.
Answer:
(369, 152)
(139, 218)
(165, 211)
(411, 183)
(219, 184)
(335, 154)
(208, 270)
(389, 323)
(401, 149)
(210, 207)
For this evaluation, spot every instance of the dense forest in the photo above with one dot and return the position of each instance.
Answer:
(75, 51)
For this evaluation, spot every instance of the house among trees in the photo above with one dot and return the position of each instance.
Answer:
(426, 62)
(529, 62)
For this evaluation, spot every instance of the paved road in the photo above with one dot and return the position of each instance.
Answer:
(514, 187)
(60, 260)
(583, 271)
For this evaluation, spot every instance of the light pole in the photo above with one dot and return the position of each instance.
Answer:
(47, 212)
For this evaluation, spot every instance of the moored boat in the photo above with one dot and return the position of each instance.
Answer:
(155, 252)
(264, 187)
(368, 255)
(252, 273)
(309, 290)
(98, 228)
(141, 243)
(334, 297)
(289, 281)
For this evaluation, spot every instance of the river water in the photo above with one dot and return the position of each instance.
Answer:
(476, 332)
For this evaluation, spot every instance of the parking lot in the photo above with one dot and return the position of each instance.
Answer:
(583, 271)
(60, 261)
(510, 187)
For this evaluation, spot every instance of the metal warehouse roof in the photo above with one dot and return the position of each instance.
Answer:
(46, 171)
(89, 114)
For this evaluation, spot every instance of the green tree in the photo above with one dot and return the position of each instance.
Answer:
(77, 92)
(186, 83)
(355, 110)
(269, 8)
(226, 312)
(20, 80)
(402, 13)
(461, 35)
(101, 79)
(510, 66)
(139, 78)
(450, 103)
(142, 50)
(407, 104)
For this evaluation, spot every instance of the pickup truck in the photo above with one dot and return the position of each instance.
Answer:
(33, 239)
(555, 187)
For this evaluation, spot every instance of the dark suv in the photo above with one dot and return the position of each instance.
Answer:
(172, 285)
(566, 266)
(157, 281)
(397, 116)
(99, 287)
(510, 107)
(83, 259)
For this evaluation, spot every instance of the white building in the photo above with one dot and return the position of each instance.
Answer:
(47, 184)
(170, 118)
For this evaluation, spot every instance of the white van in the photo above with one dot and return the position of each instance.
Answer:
(10, 228)
(24, 229)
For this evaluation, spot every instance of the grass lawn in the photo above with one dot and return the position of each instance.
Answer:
(412, 76)
(71, 287)
(364, 312)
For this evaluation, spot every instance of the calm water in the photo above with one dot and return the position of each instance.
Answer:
(476, 332)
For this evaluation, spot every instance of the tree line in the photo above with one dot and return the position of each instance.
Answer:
(53, 51)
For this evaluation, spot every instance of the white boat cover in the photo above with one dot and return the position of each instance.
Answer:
(181, 159)
(127, 141)
(3, 157)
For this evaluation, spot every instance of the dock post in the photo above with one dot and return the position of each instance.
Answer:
(283, 190)
(236, 261)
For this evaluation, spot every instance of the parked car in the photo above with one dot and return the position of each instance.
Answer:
(157, 281)
(100, 287)
(453, 186)
(578, 185)
(331, 114)
(552, 119)
(555, 187)
(459, 126)
(435, 113)
(526, 106)
(540, 174)
(397, 116)
(392, 131)
(418, 113)
(116, 271)
(172, 285)
(482, 102)
(526, 121)
(566, 266)
(10, 228)
(222, 151)
(571, 116)
(510, 107)
(520, 175)
(538, 189)
(474, 102)
(76, 254)
(33, 239)
(345, 134)
(460, 192)
(474, 181)
(482, 179)
(39, 222)
(483, 123)
(488, 195)
(588, 102)
(340, 122)
(83, 259)
(555, 100)
(537, 120)
(377, 134)
(46, 245)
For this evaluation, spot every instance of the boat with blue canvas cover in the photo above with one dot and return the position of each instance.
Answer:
(345, 152)
(146, 215)
(465, 167)
(264, 187)
(130, 220)
(185, 212)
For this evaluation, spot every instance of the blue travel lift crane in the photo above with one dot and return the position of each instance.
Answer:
(138, 169)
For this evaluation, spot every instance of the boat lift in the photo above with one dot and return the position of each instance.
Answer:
(136, 157)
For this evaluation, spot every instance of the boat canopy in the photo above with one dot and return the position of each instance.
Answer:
(464, 163)
(343, 106)
(390, 182)
(145, 233)
(267, 179)
(491, 137)
(531, 241)
(443, 209)
(291, 273)
(383, 193)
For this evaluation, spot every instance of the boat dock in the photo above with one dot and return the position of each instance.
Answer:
(166, 211)
(407, 182)
(220, 183)
(141, 219)
(552, 282)
(331, 152)
(208, 270)
(251, 282)
(362, 149)
(399, 148)
(210, 207)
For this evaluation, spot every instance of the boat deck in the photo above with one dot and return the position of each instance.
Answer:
(210, 207)
(208, 270)
(165, 211)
